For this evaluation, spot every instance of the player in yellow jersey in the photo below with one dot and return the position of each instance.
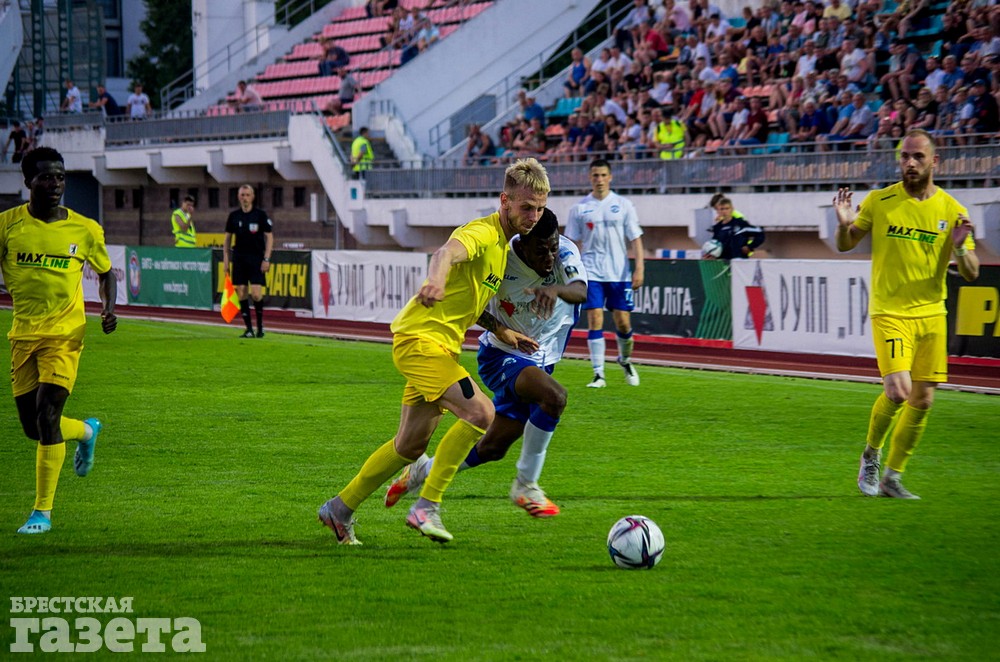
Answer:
(916, 228)
(463, 275)
(43, 247)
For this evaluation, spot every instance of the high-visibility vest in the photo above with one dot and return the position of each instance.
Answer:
(182, 238)
(671, 132)
(362, 162)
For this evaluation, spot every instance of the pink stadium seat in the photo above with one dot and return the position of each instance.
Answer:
(378, 25)
(351, 14)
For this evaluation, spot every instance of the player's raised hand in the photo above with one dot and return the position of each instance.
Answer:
(842, 203)
(961, 231)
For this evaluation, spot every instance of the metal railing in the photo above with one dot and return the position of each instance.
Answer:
(542, 68)
(204, 128)
(960, 166)
(234, 54)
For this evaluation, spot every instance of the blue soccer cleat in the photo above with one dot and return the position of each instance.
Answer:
(83, 461)
(37, 523)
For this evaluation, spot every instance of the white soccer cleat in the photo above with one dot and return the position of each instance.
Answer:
(868, 474)
(428, 522)
(890, 486)
(631, 376)
(598, 382)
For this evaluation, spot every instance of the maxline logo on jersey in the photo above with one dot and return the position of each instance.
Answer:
(42, 260)
(73, 625)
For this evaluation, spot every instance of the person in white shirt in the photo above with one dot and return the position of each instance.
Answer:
(935, 75)
(73, 103)
(543, 286)
(807, 61)
(605, 225)
(138, 104)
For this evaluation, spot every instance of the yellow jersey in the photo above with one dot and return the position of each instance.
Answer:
(468, 287)
(42, 267)
(911, 249)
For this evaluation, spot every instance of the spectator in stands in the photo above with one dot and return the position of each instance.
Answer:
(971, 71)
(854, 62)
(362, 153)
(624, 31)
(138, 104)
(376, 8)
(905, 68)
(346, 93)
(530, 108)
(757, 124)
(837, 9)
(926, 109)
(473, 145)
(487, 150)
(19, 137)
(737, 122)
(35, 133)
(579, 74)
(653, 40)
(105, 102)
(246, 99)
(619, 61)
(630, 140)
(427, 32)
(72, 102)
(914, 15)
(334, 57)
(948, 109)
(985, 114)
(935, 75)
(856, 122)
(811, 123)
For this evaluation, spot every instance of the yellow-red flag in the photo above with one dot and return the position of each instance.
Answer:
(230, 302)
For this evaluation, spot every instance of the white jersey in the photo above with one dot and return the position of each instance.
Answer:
(511, 305)
(604, 228)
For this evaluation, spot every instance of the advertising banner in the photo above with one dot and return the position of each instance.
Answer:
(812, 306)
(169, 277)
(683, 298)
(365, 286)
(91, 284)
(974, 314)
(287, 283)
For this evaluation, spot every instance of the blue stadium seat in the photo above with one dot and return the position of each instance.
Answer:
(565, 107)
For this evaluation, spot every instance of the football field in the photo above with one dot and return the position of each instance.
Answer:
(217, 452)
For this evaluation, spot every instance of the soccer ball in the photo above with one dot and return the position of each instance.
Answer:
(635, 542)
(712, 248)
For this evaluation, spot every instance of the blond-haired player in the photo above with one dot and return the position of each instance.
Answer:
(463, 275)
(916, 228)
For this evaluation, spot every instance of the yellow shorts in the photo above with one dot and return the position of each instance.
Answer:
(428, 367)
(49, 361)
(918, 346)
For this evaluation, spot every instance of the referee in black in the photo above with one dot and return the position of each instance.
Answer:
(251, 255)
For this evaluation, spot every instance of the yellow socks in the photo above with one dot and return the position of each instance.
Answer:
(906, 436)
(454, 446)
(72, 429)
(883, 414)
(378, 468)
(48, 464)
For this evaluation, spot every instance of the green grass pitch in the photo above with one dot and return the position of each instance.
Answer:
(217, 452)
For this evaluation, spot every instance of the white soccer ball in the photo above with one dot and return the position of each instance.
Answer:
(635, 542)
(712, 248)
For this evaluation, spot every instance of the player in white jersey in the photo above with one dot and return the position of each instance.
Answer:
(543, 285)
(605, 226)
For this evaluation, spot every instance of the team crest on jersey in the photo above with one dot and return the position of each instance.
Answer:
(615, 209)
(942, 225)
(72, 249)
(253, 227)
(570, 270)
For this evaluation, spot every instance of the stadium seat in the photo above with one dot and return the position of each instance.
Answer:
(565, 107)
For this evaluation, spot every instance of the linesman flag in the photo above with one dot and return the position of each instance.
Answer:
(230, 302)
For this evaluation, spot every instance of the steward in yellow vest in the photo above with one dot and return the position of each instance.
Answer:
(362, 154)
(671, 135)
(183, 224)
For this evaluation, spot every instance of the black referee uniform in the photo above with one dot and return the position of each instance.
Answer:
(248, 229)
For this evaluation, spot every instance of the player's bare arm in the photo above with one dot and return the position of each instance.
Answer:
(507, 335)
(639, 273)
(967, 261)
(442, 261)
(226, 243)
(848, 234)
(265, 266)
(108, 290)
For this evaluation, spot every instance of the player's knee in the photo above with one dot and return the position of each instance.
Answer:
(481, 413)
(898, 393)
(554, 402)
(491, 451)
(30, 430)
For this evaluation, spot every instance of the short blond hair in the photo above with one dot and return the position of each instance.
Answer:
(526, 174)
